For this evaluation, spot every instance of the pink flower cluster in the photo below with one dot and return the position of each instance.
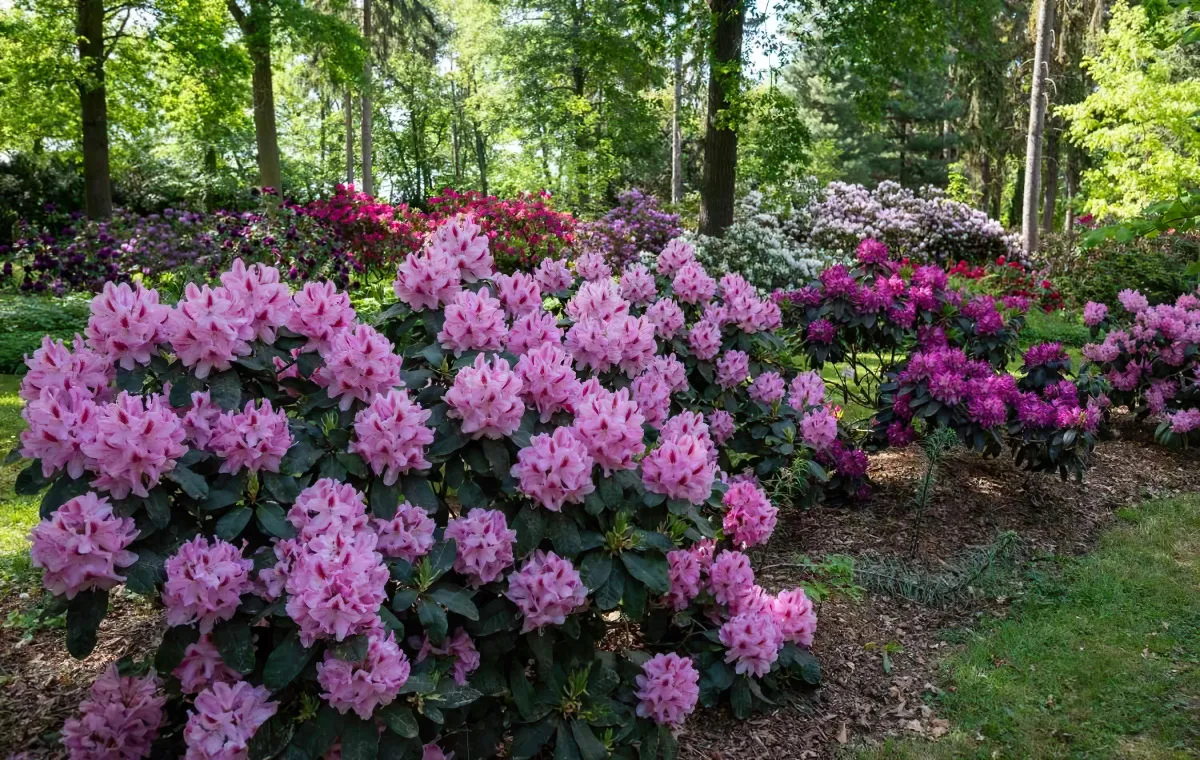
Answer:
(82, 545)
(336, 585)
(56, 367)
(610, 426)
(408, 535)
(519, 292)
(680, 468)
(548, 379)
(262, 295)
(202, 666)
(733, 369)
(225, 720)
(546, 590)
(210, 328)
(366, 685)
(205, 583)
(359, 365)
(555, 469)
(668, 689)
(428, 280)
(749, 517)
(137, 440)
(127, 324)
(637, 284)
(592, 266)
(391, 435)
(532, 330)
(256, 438)
(319, 312)
(459, 646)
(767, 388)
(474, 322)
(683, 571)
(460, 239)
(120, 719)
(487, 398)
(485, 545)
(553, 275)
(807, 389)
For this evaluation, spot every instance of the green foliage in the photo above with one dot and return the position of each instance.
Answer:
(24, 321)
(969, 573)
(1158, 267)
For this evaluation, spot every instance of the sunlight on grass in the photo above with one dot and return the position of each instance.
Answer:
(18, 514)
(1100, 662)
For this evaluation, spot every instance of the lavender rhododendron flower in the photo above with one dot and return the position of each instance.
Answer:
(485, 544)
(120, 719)
(408, 535)
(637, 284)
(610, 426)
(555, 469)
(518, 292)
(137, 440)
(258, 290)
(546, 590)
(600, 300)
(749, 517)
(674, 256)
(225, 719)
(209, 329)
(458, 646)
(82, 546)
(487, 398)
(705, 340)
(730, 576)
(474, 322)
(202, 667)
(721, 425)
(679, 469)
(60, 423)
(767, 388)
(256, 438)
(532, 330)
(205, 582)
(667, 318)
(553, 275)
(127, 324)
(320, 311)
(54, 366)
(795, 617)
(693, 285)
(336, 586)
(592, 266)
(753, 641)
(366, 685)
(428, 280)
(359, 364)
(460, 239)
(683, 571)
(391, 435)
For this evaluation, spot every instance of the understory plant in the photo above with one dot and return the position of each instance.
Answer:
(476, 526)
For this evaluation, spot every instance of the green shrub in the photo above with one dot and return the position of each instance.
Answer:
(23, 322)
(1156, 267)
(1061, 326)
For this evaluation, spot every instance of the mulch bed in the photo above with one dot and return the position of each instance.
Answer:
(975, 500)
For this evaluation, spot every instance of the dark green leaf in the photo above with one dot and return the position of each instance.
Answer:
(351, 649)
(649, 568)
(529, 739)
(496, 621)
(232, 523)
(131, 381)
(63, 490)
(143, 575)
(565, 747)
(272, 520)
(564, 534)
(384, 499)
(595, 569)
(192, 484)
(235, 641)
(225, 389)
(419, 492)
(30, 480)
(450, 695)
(84, 615)
(181, 390)
(740, 699)
(404, 599)
(285, 488)
(400, 720)
(589, 746)
(271, 738)
(391, 622)
(315, 737)
(219, 498)
(300, 457)
(471, 496)
(418, 683)
(448, 444)
(360, 739)
(175, 642)
(611, 492)
(609, 595)
(668, 743)
(433, 617)
(353, 464)
(523, 693)
(457, 601)
(530, 525)
(285, 662)
(441, 557)
(496, 452)
(331, 467)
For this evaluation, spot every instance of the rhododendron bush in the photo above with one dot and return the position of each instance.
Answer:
(474, 526)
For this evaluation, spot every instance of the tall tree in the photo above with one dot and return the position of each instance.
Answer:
(93, 102)
(255, 23)
(1037, 124)
(720, 124)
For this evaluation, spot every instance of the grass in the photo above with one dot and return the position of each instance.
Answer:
(18, 514)
(1100, 660)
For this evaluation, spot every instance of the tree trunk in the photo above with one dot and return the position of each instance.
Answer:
(985, 183)
(93, 105)
(368, 182)
(676, 141)
(1037, 123)
(720, 135)
(481, 160)
(256, 31)
(1071, 180)
(324, 115)
(1050, 180)
(348, 112)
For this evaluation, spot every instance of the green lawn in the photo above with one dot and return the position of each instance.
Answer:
(17, 513)
(1101, 660)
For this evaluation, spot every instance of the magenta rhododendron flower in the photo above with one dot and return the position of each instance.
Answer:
(1094, 313)
(255, 438)
(720, 424)
(532, 330)
(596, 344)
(548, 380)
(683, 570)
(81, 546)
(795, 617)
(138, 439)
(553, 275)
(205, 582)
(750, 517)
(119, 720)
(597, 300)
(753, 641)
(320, 312)
(368, 684)
(732, 369)
(592, 266)
(127, 324)
(693, 285)
(637, 284)
(458, 646)
(485, 544)
(327, 507)
(202, 666)
(807, 389)
(667, 689)
(871, 251)
(360, 364)
(555, 469)
(730, 576)
(428, 280)
(259, 291)
(676, 253)
(767, 388)
(680, 468)
(461, 239)
(1184, 421)
(474, 322)
(487, 398)
(408, 535)
(60, 424)
(667, 318)
(336, 585)
(818, 428)
(391, 435)
(820, 331)
(546, 590)
(519, 293)
(1133, 301)
(705, 340)
(200, 420)
(209, 328)
(900, 434)
(54, 366)
(610, 426)
(225, 720)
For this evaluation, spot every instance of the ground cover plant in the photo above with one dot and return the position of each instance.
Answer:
(424, 535)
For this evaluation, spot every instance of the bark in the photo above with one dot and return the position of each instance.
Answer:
(985, 182)
(1071, 180)
(256, 32)
(1050, 181)
(720, 134)
(348, 112)
(368, 182)
(481, 160)
(1037, 124)
(93, 104)
(676, 141)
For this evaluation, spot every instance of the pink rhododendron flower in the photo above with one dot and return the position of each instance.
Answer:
(595, 344)
(461, 239)
(1184, 421)
(730, 576)
(720, 425)
(519, 292)
(821, 331)
(432, 751)
(1133, 301)
(653, 397)
(693, 424)
(795, 617)
(320, 312)
(679, 469)
(683, 570)
(408, 535)
(360, 364)
(54, 366)
(750, 517)
(391, 435)
(554, 469)
(138, 439)
(871, 251)
(667, 318)
(225, 720)
(635, 337)
(767, 388)
(127, 324)
(202, 666)
(900, 434)
(671, 370)
(753, 641)
(474, 322)
(255, 438)
(676, 253)
(209, 328)
(327, 507)
(368, 684)
(459, 646)
(692, 284)
(532, 330)
(732, 369)
(485, 544)
(597, 300)
(119, 720)
(259, 291)
(548, 380)
(81, 546)
(592, 266)
(546, 590)
(637, 284)
(610, 426)
(553, 275)
(667, 689)
(705, 340)
(60, 424)
(428, 280)
(205, 582)
(818, 428)
(200, 420)
(487, 398)
(807, 389)
(336, 585)
(1094, 313)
